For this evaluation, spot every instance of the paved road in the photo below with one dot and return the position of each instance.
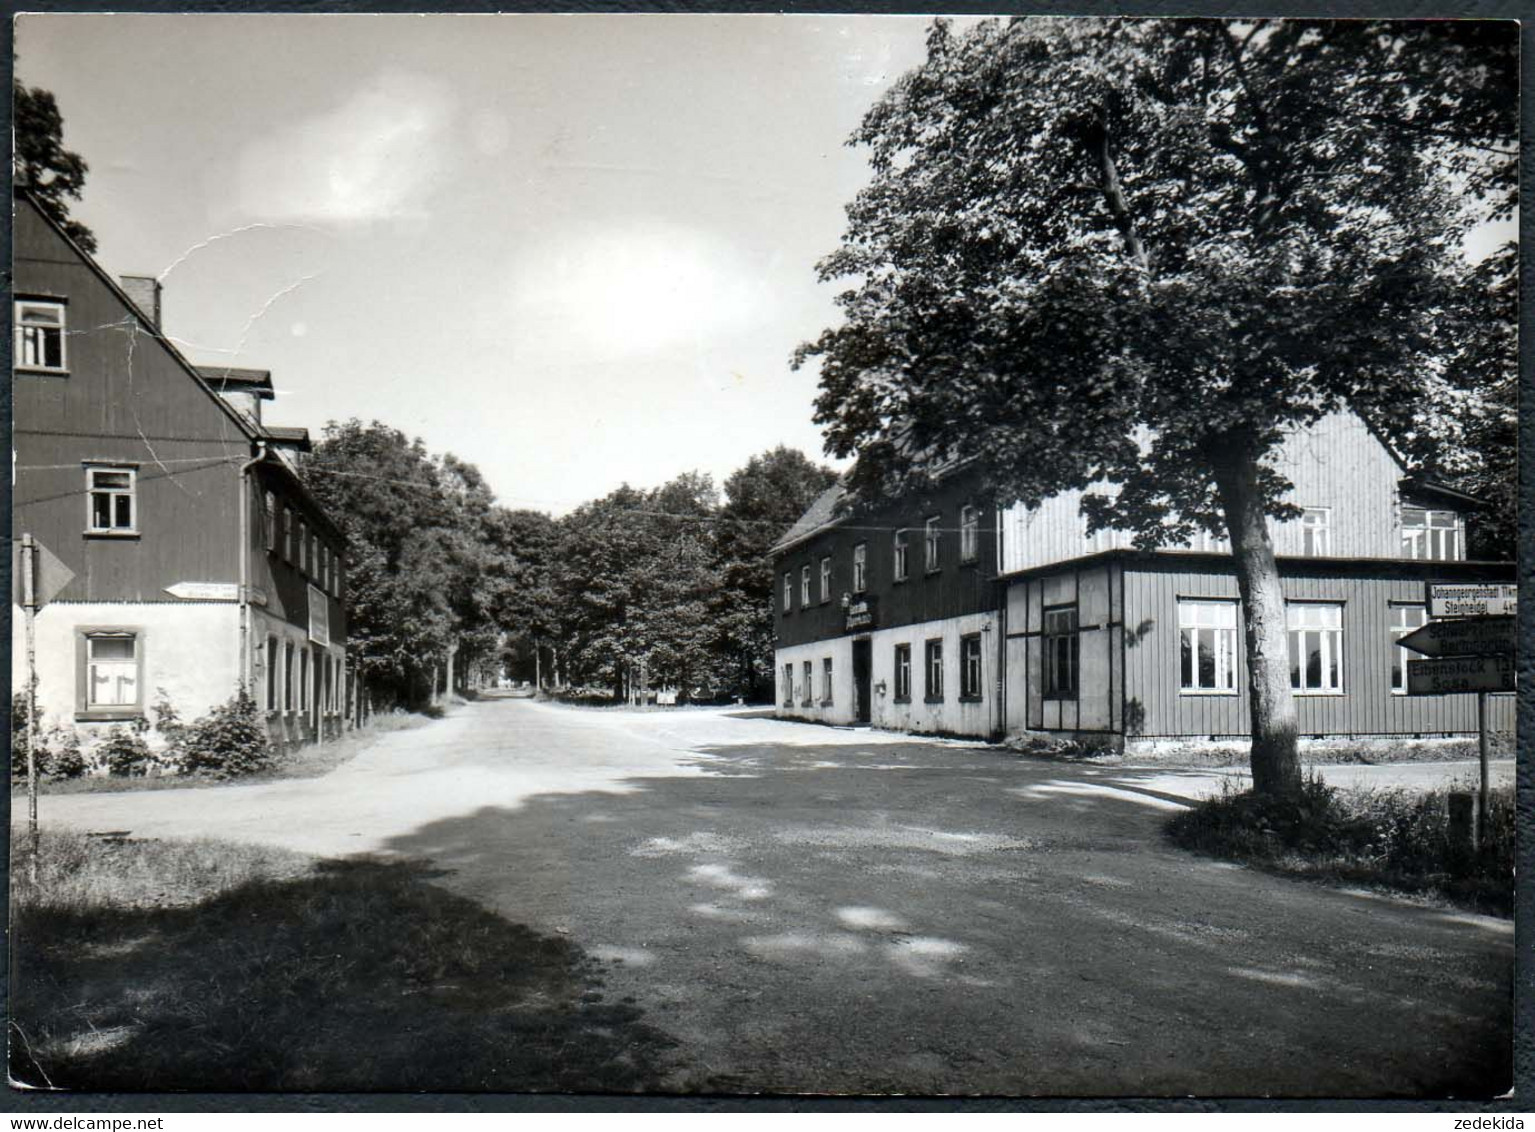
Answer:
(842, 911)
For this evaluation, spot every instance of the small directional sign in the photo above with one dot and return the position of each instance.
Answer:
(204, 591)
(1460, 674)
(1477, 599)
(1472, 636)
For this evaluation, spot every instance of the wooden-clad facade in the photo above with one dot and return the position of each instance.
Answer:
(1068, 633)
(133, 472)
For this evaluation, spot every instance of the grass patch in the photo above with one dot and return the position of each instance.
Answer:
(143, 965)
(310, 761)
(1318, 752)
(1391, 839)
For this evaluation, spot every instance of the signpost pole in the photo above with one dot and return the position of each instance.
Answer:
(1481, 797)
(29, 605)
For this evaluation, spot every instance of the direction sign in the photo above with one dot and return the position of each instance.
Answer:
(1472, 636)
(52, 575)
(1460, 674)
(1477, 599)
(204, 591)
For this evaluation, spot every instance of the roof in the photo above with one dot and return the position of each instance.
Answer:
(821, 514)
(232, 379)
(286, 437)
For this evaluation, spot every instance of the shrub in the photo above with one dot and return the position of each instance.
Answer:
(64, 757)
(124, 752)
(231, 740)
(1395, 838)
(20, 736)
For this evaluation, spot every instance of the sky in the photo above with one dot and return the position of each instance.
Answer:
(576, 251)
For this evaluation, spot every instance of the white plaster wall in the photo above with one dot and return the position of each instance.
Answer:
(190, 650)
(840, 649)
(951, 716)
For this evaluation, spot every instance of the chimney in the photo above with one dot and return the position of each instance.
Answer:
(144, 290)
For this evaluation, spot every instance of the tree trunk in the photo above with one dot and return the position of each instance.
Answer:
(538, 668)
(1275, 762)
(448, 688)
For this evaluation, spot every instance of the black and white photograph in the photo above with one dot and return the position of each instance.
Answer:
(733, 555)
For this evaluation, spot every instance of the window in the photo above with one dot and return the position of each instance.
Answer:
(903, 673)
(271, 674)
(1435, 535)
(287, 672)
(1316, 647)
(809, 683)
(826, 682)
(970, 667)
(111, 670)
(933, 652)
(303, 678)
(1207, 643)
(323, 574)
(860, 567)
(302, 560)
(788, 685)
(289, 534)
(1061, 653)
(900, 561)
(804, 585)
(1316, 531)
(1404, 619)
(826, 578)
(969, 534)
(788, 592)
(930, 537)
(110, 493)
(39, 341)
(269, 520)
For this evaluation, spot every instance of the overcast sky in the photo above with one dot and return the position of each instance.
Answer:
(574, 250)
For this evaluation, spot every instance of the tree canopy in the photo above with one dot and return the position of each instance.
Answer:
(1099, 251)
(42, 164)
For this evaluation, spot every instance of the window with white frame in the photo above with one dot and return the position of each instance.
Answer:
(826, 681)
(269, 520)
(902, 673)
(788, 684)
(788, 592)
(934, 671)
(809, 684)
(1207, 632)
(969, 533)
(900, 563)
(804, 585)
(970, 667)
(112, 670)
(111, 498)
(39, 335)
(1062, 653)
(271, 674)
(860, 567)
(932, 533)
(1316, 646)
(826, 577)
(1439, 536)
(288, 677)
(1405, 618)
(1316, 531)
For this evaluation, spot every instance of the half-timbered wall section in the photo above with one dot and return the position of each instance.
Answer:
(133, 472)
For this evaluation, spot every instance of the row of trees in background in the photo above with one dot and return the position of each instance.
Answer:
(662, 588)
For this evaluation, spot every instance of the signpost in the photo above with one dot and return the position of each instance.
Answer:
(41, 576)
(1473, 652)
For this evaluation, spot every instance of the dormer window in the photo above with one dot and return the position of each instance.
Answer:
(1438, 536)
(1316, 531)
(39, 341)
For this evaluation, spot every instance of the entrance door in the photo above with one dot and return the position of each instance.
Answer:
(862, 670)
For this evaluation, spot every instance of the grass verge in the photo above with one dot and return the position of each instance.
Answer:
(310, 761)
(142, 965)
(1391, 839)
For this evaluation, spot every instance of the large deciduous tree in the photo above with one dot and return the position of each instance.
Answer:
(1129, 255)
(42, 164)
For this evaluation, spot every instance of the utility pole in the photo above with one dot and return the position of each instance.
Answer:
(29, 605)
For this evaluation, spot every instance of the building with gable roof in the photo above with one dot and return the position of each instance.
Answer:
(199, 560)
